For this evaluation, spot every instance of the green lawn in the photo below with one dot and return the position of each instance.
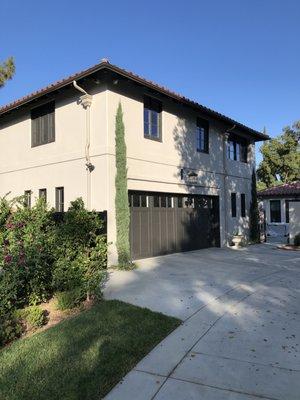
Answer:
(82, 357)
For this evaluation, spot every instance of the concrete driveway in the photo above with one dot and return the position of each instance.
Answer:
(240, 333)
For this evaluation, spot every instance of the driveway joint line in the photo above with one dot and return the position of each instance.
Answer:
(245, 361)
(256, 395)
(227, 292)
(201, 337)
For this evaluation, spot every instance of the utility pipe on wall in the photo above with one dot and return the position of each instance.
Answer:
(225, 146)
(86, 102)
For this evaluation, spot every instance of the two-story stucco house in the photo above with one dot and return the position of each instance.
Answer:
(189, 167)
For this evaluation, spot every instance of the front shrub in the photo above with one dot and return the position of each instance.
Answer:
(34, 317)
(297, 239)
(70, 299)
(39, 257)
(80, 258)
(10, 328)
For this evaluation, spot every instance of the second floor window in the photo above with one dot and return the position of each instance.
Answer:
(43, 124)
(237, 149)
(59, 199)
(202, 135)
(152, 118)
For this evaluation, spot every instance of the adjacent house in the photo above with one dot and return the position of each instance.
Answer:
(276, 203)
(189, 167)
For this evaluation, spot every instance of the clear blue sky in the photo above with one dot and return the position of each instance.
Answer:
(239, 57)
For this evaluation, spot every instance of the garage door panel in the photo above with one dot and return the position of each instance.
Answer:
(166, 226)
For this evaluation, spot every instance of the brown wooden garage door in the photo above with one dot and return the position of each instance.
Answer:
(163, 223)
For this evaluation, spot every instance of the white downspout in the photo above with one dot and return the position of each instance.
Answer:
(86, 102)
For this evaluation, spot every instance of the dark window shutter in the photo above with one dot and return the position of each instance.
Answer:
(43, 124)
(233, 205)
(243, 205)
(34, 130)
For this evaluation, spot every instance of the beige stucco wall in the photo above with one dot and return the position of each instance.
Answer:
(61, 163)
(155, 166)
(152, 166)
(294, 225)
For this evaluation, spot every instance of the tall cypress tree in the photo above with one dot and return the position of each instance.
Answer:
(121, 198)
(254, 213)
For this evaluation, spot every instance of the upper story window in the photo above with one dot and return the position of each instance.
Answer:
(43, 124)
(275, 210)
(202, 135)
(237, 149)
(152, 118)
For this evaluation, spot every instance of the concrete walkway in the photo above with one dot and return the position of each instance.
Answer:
(240, 335)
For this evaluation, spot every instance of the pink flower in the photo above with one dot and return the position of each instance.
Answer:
(8, 259)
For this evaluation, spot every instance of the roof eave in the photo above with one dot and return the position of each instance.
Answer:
(258, 136)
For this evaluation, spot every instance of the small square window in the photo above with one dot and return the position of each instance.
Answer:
(136, 200)
(163, 201)
(155, 201)
(169, 202)
(189, 202)
(144, 202)
(59, 199)
(27, 198)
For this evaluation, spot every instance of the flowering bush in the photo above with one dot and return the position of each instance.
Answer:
(39, 256)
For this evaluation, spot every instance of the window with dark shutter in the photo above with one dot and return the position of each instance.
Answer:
(243, 205)
(202, 138)
(233, 205)
(59, 199)
(43, 124)
(152, 118)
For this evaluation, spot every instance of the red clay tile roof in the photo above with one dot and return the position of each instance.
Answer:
(104, 64)
(288, 189)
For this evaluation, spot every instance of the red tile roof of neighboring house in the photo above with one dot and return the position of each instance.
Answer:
(104, 64)
(288, 189)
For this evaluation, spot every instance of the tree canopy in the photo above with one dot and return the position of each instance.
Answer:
(7, 70)
(281, 158)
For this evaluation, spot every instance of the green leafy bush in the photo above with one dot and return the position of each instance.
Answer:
(297, 239)
(34, 316)
(69, 299)
(39, 256)
(10, 328)
(80, 259)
